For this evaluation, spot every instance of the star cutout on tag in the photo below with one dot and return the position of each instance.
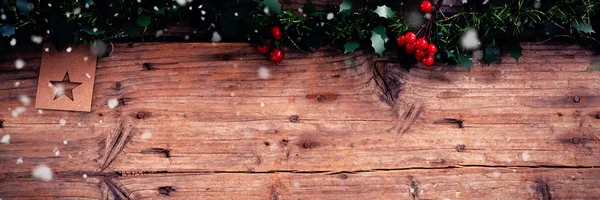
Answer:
(64, 87)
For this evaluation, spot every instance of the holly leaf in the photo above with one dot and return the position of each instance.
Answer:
(384, 11)
(93, 31)
(143, 21)
(582, 26)
(24, 7)
(273, 6)
(160, 11)
(515, 50)
(351, 46)
(381, 31)
(378, 39)
(131, 29)
(7, 30)
(346, 6)
(309, 7)
(491, 54)
(465, 60)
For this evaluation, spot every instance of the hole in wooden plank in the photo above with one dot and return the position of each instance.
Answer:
(147, 67)
(143, 115)
(294, 118)
(166, 190)
(165, 152)
(461, 148)
(1, 124)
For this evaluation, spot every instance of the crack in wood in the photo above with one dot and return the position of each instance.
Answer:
(108, 186)
(414, 189)
(115, 144)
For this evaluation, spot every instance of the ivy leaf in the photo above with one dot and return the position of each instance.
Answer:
(583, 27)
(90, 31)
(7, 30)
(384, 11)
(378, 39)
(491, 54)
(143, 21)
(351, 46)
(465, 60)
(515, 50)
(346, 6)
(273, 6)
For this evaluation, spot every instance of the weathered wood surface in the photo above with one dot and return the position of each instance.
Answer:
(195, 120)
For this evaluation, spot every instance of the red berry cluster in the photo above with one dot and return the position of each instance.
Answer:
(276, 55)
(420, 47)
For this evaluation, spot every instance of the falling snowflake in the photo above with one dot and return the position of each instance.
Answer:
(25, 100)
(112, 103)
(69, 49)
(17, 111)
(216, 37)
(262, 104)
(5, 139)
(62, 122)
(17, 84)
(469, 40)
(56, 151)
(13, 42)
(158, 33)
(19, 161)
(59, 89)
(146, 135)
(36, 39)
(42, 172)
(40, 111)
(85, 176)
(266, 10)
(264, 73)
(19, 63)
(427, 16)
(329, 16)
(537, 4)
(65, 142)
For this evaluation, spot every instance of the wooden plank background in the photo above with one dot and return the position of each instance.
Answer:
(195, 120)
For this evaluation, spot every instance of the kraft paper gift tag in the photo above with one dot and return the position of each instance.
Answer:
(66, 78)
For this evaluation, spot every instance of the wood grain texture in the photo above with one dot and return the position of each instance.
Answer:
(461, 183)
(193, 116)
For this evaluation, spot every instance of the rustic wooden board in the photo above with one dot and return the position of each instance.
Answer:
(461, 183)
(193, 115)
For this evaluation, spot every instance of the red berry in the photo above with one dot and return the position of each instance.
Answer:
(410, 48)
(427, 61)
(421, 43)
(431, 49)
(410, 37)
(276, 56)
(276, 32)
(420, 54)
(426, 6)
(401, 41)
(264, 49)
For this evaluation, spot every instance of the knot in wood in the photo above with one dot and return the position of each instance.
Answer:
(575, 140)
(294, 118)
(597, 115)
(460, 147)
(576, 99)
(321, 98)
